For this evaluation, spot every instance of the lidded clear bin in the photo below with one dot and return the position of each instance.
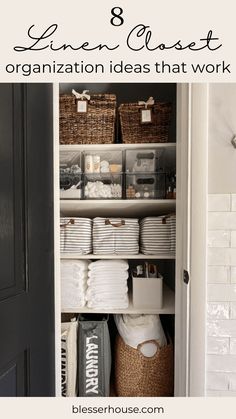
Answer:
(145, 186)
(103, 161)
(143, 160)
(103, 186)
(71, 183)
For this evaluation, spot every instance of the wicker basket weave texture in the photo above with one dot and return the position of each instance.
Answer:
(96, 126)
(133, 131)
(140, 376)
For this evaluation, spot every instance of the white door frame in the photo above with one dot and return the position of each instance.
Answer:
(192, 166)
(192, 179)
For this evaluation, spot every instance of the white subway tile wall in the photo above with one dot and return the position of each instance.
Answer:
(232, 346)
(221, 296)
(233, 274)
(218, 202)
(216, 345)
(218, 310)
(219, 257)
(221, 363)
(233, 238)
(233, 310)
(233, 202)
(219, 274)
(221, 292)
(222, 221)
(218, 238)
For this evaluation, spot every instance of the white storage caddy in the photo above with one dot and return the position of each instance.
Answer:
(147, 292)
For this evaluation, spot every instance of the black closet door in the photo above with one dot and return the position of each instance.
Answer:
(26, 241)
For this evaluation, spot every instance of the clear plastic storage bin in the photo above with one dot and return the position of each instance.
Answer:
(145, 186)
(103, 186)
(70, 175)
(97, 161)
(144, 160)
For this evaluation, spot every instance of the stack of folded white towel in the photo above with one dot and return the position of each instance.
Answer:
(107, 284)
(74, 275)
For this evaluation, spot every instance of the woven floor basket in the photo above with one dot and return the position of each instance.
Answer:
(96, 126)
(140, 376)
(155, 132)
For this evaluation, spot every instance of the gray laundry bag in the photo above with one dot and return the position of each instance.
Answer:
(94, 356)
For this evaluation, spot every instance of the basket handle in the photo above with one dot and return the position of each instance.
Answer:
(164, 218)
(71, 221)
(149, 341)
(120, 224)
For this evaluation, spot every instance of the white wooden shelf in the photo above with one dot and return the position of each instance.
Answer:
(125, 256)
(116, 207)
(114, 146)
(168, 307)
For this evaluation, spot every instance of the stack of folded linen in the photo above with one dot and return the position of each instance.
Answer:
(107, 284)
(74, 275)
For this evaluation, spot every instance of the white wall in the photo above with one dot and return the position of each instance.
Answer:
(222, 127)
(221, 294)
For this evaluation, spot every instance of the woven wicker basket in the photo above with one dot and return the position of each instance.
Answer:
(133, 131)
(96, 126)
(140, 376)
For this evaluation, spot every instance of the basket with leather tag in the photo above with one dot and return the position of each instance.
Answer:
(116, 236)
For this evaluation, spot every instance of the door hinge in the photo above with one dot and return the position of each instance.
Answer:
(186, 277)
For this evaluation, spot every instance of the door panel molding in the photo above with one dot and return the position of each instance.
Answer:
(27, 302)
(14, 377)
(12, 238)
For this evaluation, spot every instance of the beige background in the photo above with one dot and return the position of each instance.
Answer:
(81, 21)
